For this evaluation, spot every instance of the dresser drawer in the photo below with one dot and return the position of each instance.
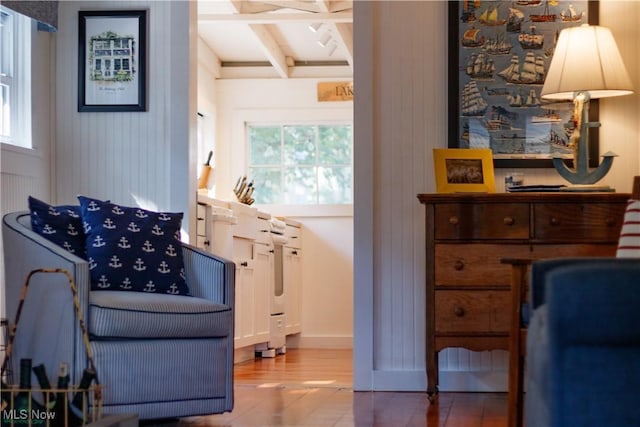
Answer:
(475, 312)
(468, 221)
(475, 264)
(582, 222)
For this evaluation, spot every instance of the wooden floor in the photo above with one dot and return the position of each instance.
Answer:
(312, 388)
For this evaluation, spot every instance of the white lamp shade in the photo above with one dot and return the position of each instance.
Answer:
(586, 59)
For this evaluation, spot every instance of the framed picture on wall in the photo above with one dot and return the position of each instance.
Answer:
(112, 61)
(499, 54)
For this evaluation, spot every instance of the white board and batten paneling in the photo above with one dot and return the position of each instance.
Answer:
(141, 159)
(400, 115)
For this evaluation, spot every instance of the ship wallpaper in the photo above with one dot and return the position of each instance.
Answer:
(504, 49)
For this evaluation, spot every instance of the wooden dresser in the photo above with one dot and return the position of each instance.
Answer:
(468, 289)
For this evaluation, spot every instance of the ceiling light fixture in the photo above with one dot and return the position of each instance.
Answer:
(332, 48)
(314, 28)
(324, 40)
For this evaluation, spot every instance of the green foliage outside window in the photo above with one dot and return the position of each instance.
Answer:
(301, 164)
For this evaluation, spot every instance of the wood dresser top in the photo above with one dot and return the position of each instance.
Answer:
(524, 197)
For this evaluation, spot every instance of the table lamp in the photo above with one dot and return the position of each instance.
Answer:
(586, 65)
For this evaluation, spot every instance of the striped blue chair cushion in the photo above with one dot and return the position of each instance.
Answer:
(122, 314)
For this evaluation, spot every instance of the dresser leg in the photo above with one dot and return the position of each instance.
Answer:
(432, 375)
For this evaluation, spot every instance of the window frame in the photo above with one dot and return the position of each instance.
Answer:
(239, 152)
(19, 82)
(315, 165)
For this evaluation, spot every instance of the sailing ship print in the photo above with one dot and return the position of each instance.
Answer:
(491, 17)
(571, 15)
(514, 22)
(480, 67)
(547, 117)
(556, 139)
(504, 50)
(468, 10)
(499, 45)
(500, 119)
(532, 39)
(472, 38)
(532, 70)
(548, 52)
(472, 102)
(516, 99)
(545, 16)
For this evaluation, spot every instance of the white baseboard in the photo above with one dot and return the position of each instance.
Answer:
(479, 381)
(467, 381)
(318, 341)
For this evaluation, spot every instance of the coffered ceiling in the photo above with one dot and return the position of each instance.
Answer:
(276, 39)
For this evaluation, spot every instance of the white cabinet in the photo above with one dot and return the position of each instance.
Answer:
(245, 296)
(263, 282)
(249, 292)
(292, 277)
(264, 312)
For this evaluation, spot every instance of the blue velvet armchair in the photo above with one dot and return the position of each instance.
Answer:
(158, 356)
(583, 343)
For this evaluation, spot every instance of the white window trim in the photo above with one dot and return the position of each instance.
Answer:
(20, 87)
(240, 153)
(308, 211)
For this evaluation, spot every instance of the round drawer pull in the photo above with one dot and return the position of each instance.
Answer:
(458, 311)
(454, 220)
(554, 221)
(458, 265)
(244, 264)
(508, 220)
(610, 222)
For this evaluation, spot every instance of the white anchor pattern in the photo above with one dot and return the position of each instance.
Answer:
(133, 249)
(59, 224)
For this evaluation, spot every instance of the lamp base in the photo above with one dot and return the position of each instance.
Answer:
(588, 188)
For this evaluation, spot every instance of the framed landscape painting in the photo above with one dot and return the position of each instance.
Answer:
(499, 53)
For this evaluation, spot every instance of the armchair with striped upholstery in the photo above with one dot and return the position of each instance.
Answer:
(158, 356)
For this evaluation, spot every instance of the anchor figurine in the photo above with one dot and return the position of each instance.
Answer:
(580, 173)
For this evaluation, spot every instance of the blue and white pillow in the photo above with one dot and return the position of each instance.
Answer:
(133, 249)
(60, 224)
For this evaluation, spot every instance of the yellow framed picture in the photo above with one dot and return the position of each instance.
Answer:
(464, 170)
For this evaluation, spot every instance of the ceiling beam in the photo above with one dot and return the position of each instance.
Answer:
(268, 44)
(242, 6)
(292, 4)
(295, 72)
(276, 18)
(272, 50)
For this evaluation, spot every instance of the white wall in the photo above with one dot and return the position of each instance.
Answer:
(27, 172)
(327, 266)
(135, 158)
(400, 115)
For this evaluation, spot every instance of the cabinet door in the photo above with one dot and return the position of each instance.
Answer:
(292, 278)
(264, 276)
(245, 306)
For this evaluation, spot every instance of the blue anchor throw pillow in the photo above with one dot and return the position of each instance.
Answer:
(133, 249)
(60, 224)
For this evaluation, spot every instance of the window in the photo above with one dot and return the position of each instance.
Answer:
(296, 164)
(15, 78)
